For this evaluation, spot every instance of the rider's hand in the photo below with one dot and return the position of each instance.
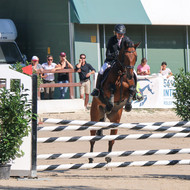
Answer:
(117, 53)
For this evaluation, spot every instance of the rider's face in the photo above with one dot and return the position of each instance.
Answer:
(119, 36)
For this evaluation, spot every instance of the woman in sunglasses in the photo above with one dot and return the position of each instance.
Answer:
(49, 77)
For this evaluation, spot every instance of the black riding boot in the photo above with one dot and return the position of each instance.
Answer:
(96, 91)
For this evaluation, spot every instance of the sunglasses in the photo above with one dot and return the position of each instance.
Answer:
(50, 59)
(83, 57)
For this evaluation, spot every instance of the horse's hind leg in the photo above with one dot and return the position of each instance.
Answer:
(110, 144)
(93, 132)
(113, 117)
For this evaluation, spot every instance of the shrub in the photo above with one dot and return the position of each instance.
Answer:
(182, 95)
(15, 115)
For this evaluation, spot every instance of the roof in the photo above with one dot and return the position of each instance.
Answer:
(146, 12)
(108, 12)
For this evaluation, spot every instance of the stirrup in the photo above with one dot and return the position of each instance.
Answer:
(95, 92)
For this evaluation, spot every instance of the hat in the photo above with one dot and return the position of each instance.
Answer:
(62, 54)
(35, 58)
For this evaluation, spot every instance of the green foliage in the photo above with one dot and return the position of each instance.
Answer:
(15, 115)
(18, 66)
(182, 95)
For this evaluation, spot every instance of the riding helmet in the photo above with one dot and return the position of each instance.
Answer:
(120, 28)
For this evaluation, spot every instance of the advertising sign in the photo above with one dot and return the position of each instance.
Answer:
(157, 92)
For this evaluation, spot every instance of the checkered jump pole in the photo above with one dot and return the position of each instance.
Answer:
(90, 125)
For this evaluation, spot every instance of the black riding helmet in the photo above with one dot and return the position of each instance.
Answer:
(120, 28)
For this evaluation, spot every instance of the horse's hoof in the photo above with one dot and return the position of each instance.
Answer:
(108, 159)
(128, 107)
(91, 160)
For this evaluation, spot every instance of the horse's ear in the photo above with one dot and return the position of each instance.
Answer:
(137, 45)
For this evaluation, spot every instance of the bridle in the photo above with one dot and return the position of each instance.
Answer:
(124, 67)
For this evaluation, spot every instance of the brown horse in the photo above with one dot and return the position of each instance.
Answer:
(116, 92)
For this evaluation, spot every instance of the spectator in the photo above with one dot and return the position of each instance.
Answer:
(63, 77)
(36, 67)
(143, 68)
(49, 77)
(166, 72)
(84, 68)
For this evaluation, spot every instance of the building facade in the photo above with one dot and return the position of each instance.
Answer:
(84, 26)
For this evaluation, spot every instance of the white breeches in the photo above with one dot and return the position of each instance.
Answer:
(104, 67)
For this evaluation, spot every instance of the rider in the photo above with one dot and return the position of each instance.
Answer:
(113, 47)
(112, 52)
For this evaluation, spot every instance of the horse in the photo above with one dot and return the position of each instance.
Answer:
(116, 91)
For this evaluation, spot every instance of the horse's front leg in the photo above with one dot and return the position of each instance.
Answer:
(132, 91)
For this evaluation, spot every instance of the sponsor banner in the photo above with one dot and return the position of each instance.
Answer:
(157, 92)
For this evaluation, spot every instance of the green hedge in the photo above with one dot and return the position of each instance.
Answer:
(182, 95)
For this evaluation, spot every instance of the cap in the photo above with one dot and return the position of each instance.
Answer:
(35, 58)
(62, 54)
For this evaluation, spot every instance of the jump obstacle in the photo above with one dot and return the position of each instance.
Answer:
(89, 125)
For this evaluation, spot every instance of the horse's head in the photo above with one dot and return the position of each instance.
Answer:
(128, 57)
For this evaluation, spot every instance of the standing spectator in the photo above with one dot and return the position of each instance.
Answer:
(143, 68)
(85, 70)
(166, 72)
(49, 77)
(63, 77)
(36, 67)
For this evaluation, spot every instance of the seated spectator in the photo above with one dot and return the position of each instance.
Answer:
(49, 77)
(166, 72)
(63, 77)
(143, 68)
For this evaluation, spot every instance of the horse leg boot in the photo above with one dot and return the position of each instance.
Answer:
(96, 91)
(132, 91)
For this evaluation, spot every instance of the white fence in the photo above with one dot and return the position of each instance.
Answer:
(19, 166)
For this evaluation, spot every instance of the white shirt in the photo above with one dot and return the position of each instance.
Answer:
(50, 76)
(165, 72)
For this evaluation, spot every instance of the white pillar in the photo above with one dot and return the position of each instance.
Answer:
(145, 36)
(98, 47)
(187, 41)
(104, 33)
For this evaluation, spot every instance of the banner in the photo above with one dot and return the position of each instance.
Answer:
(157, 92)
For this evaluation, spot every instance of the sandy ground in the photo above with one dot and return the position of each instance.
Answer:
(133, 178)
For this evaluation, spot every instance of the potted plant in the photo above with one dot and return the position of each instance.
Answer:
(15, 115)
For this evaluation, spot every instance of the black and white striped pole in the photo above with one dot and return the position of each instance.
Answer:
(114, 154)
(113, 165)
(113, 137)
